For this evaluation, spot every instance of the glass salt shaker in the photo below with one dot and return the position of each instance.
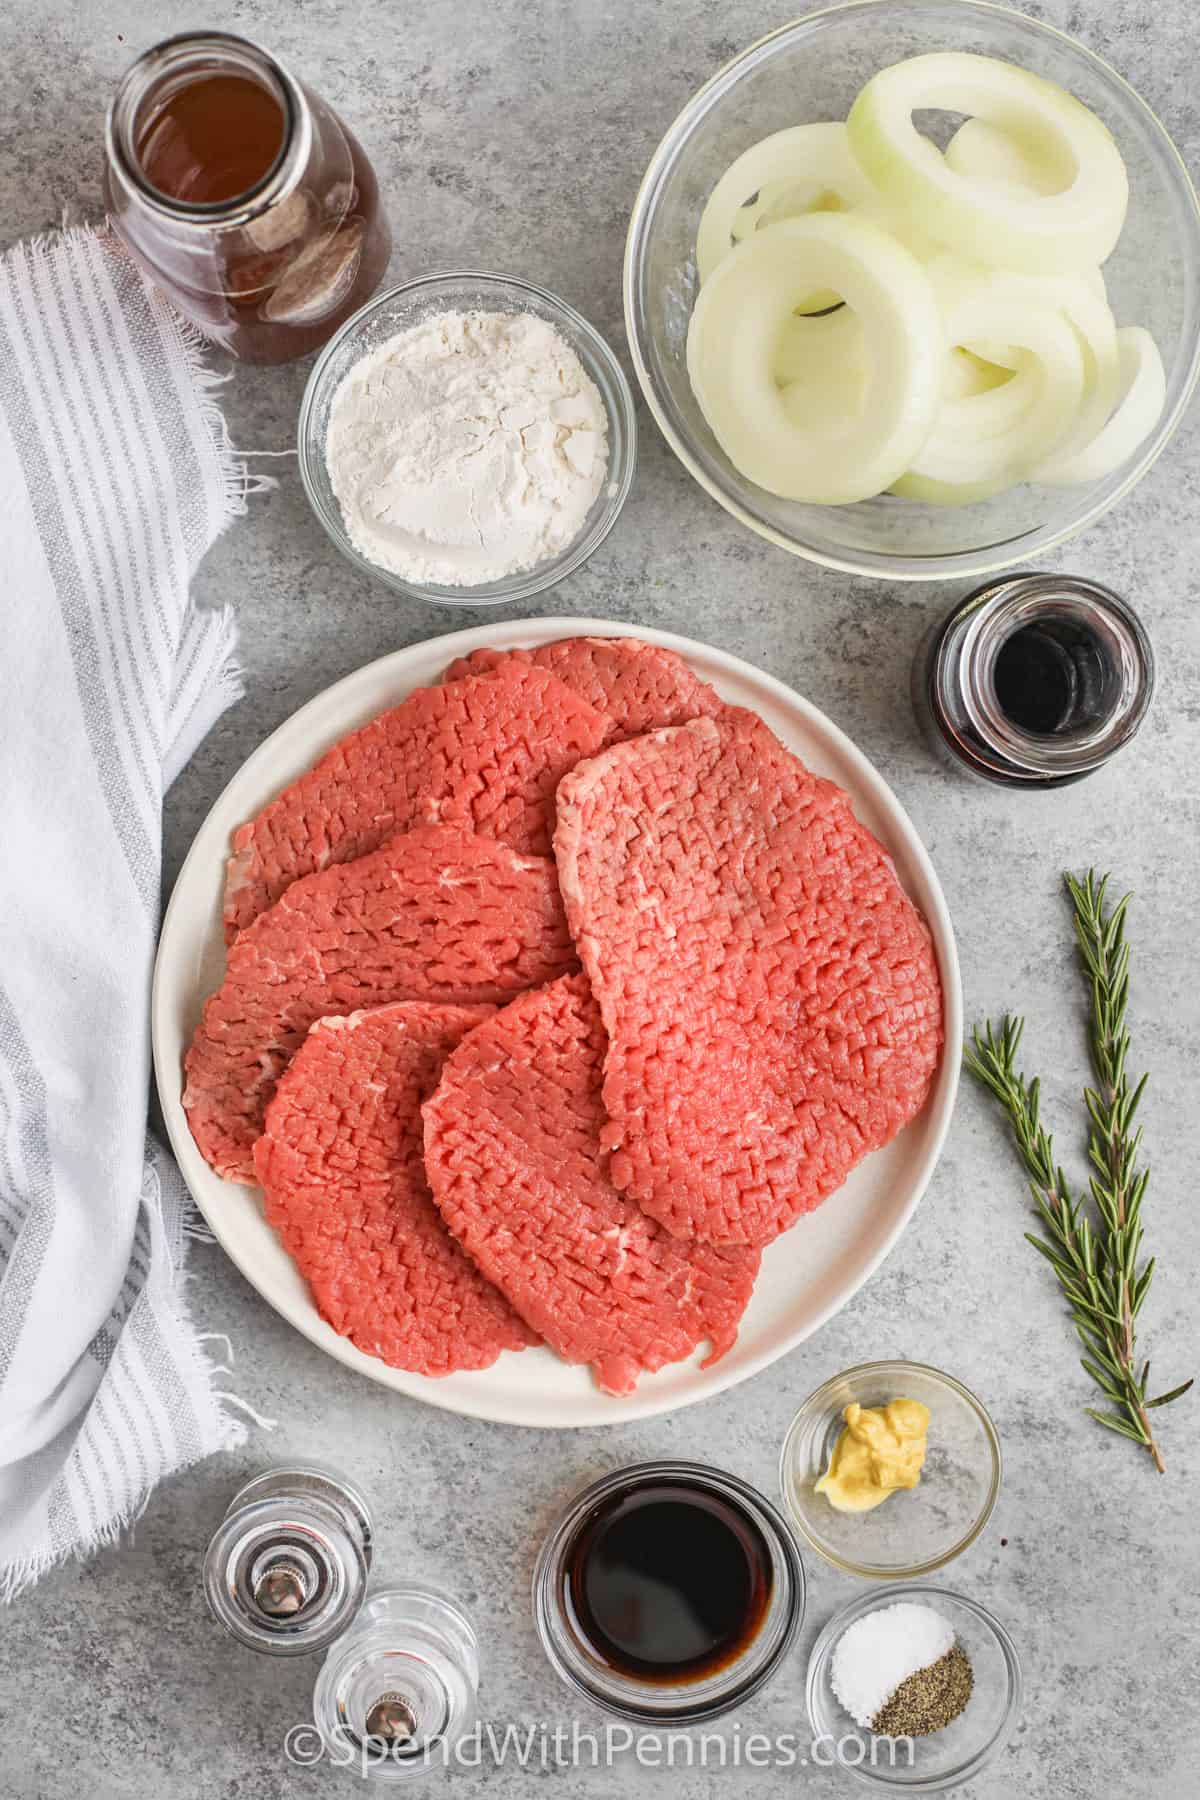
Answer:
(242, 195)
(1035, 680)
(286, 1570)
(400, 1686)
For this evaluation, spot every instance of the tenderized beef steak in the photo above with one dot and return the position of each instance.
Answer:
(640, 686)
(436, 914)
(770, 993)
(512, 1150)
(486, 754)
(342, 1171)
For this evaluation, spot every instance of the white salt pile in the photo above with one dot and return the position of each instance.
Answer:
(882, 1649)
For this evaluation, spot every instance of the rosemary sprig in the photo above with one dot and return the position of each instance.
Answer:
(1094, 1252)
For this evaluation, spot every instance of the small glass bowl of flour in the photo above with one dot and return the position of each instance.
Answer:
(469, 439)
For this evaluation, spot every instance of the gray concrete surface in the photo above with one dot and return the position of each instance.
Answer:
(512, 136)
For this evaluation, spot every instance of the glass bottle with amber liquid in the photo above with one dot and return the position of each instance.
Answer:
(243, 196)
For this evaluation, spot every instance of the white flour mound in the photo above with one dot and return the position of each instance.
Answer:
(466, 448)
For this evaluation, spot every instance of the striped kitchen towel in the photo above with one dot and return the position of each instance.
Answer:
(115, 477)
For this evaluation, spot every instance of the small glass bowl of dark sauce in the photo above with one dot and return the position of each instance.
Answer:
(1035, 681)
(668, 1592)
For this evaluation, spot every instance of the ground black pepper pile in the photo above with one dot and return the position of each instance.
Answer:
(928, 1700)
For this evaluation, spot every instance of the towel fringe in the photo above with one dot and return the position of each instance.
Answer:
(245, 1406)
(199, 1375)
(240, 482)
(16, 1576)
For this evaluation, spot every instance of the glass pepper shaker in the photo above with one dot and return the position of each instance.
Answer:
(400, 1686)
(1034, 681)
(286, 1570)
(242, 196)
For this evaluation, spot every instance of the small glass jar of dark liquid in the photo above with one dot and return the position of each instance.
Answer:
(1035, 681)
(243, 196)
(668, 1592)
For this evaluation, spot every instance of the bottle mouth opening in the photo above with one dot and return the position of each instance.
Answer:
(161, 74)
(1107, 674)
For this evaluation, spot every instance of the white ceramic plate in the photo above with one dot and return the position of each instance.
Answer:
(807, 1274)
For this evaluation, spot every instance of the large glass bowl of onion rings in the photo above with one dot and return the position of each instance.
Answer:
(912, 287)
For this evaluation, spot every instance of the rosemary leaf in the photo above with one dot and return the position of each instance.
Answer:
(1117, 1424)
(1102, 1382)
(1166, 1399)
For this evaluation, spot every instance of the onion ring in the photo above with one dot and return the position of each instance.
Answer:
(1141, 398)
(735, 331)
(983, 443)
(806, 168)
(999, 225)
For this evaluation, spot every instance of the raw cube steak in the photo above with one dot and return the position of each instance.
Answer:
(485, 754)
(770, 993)
(639, 686)
(512, 1147)
(343, 1174)
(436, 914)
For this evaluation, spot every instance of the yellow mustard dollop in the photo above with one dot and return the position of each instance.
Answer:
(880, 1450)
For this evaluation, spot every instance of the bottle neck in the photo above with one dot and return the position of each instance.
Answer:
(162, 73)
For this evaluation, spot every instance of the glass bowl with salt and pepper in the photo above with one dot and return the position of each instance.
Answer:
(914, 1688)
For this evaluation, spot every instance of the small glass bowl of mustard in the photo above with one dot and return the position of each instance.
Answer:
(915, 1530)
